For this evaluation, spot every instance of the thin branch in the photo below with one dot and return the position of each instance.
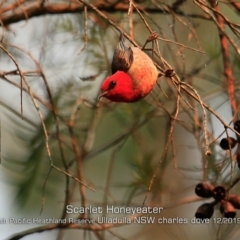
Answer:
(227, 64)
(20, 74)
(173, 121)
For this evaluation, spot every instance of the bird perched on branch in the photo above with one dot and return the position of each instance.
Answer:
(133, 75)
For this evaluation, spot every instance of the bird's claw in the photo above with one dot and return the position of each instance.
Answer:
(153, 36)
(170, 73)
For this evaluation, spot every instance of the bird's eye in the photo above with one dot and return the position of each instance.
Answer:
(112, 85)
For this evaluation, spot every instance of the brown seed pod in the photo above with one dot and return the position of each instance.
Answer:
(234, 200)
(237, 126)
(219, 193)
(227, 209)
(204, 190)
(205, 211)
(226, 143)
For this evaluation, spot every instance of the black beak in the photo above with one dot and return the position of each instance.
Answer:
(101, 95)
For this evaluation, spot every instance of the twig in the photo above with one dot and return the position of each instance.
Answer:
(173, 120)
(21, 76)
(227, 64)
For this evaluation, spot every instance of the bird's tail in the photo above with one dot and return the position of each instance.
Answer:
(121, 43)
(122, 57)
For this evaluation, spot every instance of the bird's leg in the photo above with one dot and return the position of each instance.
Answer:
(170, 73)
(153, 36)
(160, 74)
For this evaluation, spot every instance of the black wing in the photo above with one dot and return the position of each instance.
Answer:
(122, 57)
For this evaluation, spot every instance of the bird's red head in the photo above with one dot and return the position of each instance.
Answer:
(119, 88)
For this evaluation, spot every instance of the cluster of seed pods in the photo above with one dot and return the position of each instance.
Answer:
(228, 203)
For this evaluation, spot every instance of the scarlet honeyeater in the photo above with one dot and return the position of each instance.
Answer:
(133, 75)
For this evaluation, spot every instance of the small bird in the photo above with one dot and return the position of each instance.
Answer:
(133, 75)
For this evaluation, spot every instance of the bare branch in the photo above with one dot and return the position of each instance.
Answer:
(15, 13)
